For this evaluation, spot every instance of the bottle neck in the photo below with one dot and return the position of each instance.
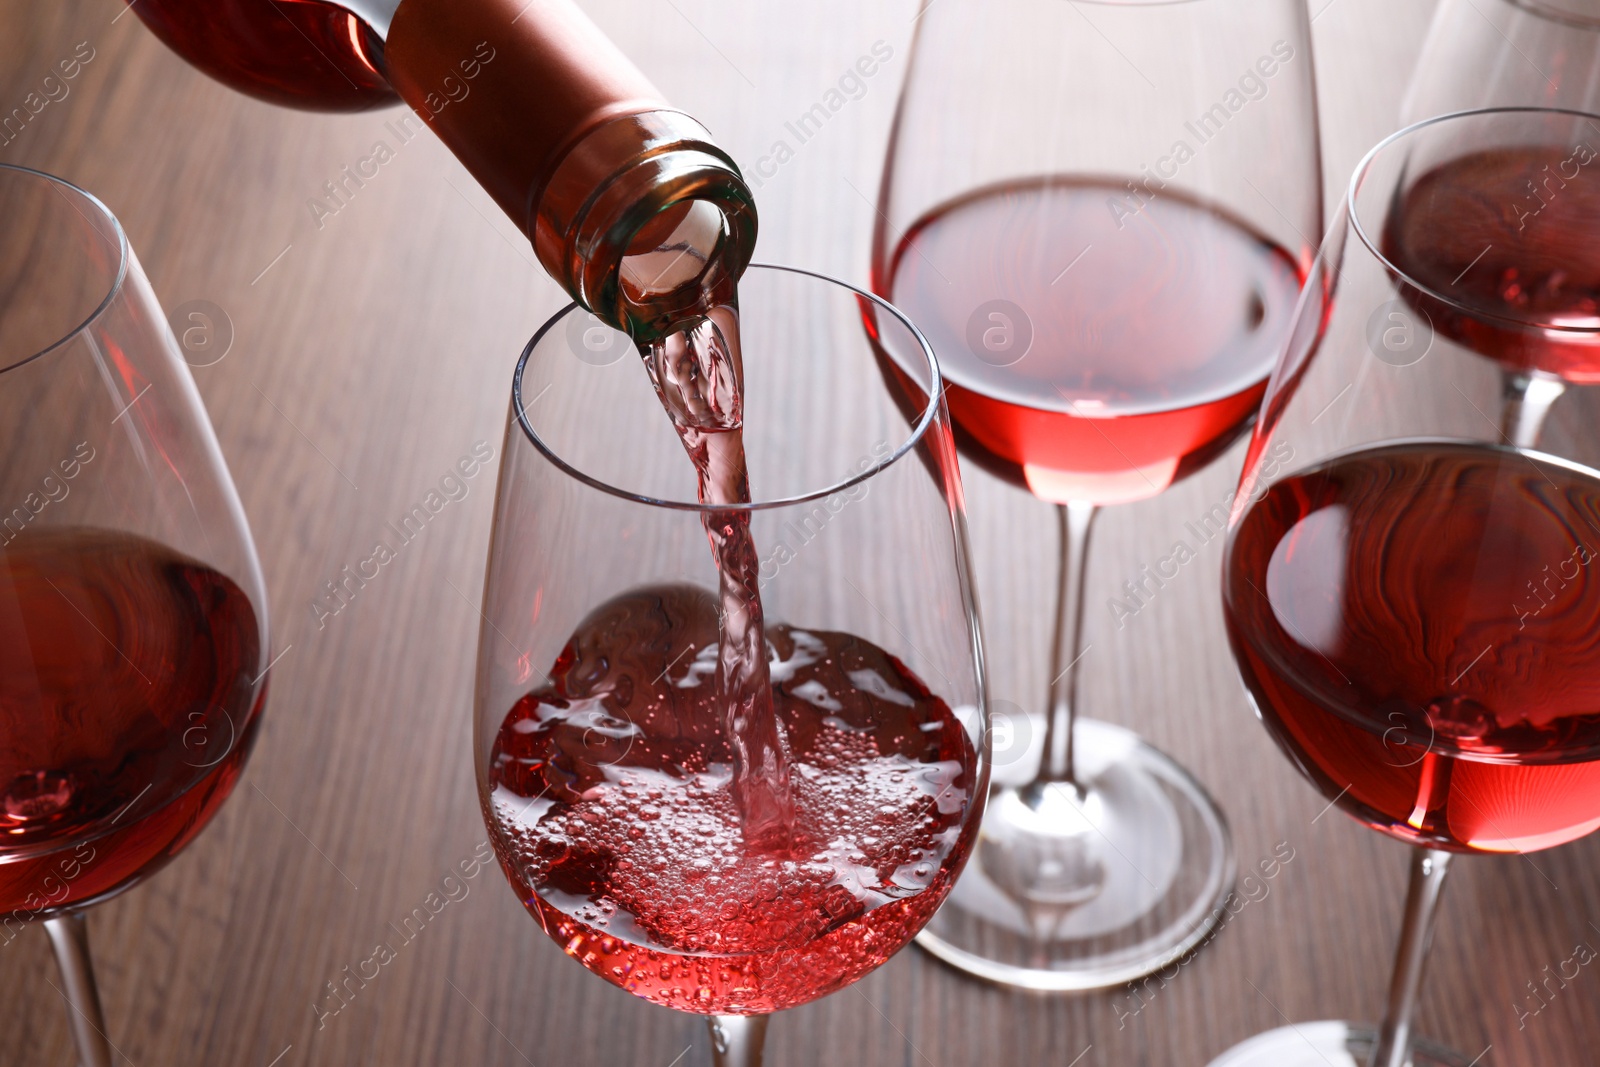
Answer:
(629, 205)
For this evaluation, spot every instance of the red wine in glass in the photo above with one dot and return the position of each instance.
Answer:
(1420, 626)
(126, 671)
(1096, 350)
(613, 817)
(1510, 239)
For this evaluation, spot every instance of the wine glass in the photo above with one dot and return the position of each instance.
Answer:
(1507, 53)
(1099, 214)
(133, 623)
(605, 768)
(1515, 53)
(1407, 590)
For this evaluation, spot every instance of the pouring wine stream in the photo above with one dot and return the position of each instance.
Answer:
(697, 369)
(698, 374)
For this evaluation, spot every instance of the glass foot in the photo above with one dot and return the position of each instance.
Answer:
(1069, 892)
(1325, 1044)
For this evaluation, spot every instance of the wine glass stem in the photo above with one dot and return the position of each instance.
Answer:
(1428, 868)
(737, 1040)
(69, 936)
(1056, 765)
(1525, 401)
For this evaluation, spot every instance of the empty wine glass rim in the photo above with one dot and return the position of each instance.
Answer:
(116, 283)
(925, 419)
(1358, 225)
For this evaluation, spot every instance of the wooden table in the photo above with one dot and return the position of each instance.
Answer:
(372, 351)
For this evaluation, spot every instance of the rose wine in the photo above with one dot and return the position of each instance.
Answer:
(1507, 243)
(612, 813)
(126, 671)
(566, 135)
(698, 374)
(304, 53)
(1093, 353)
(1420, 626)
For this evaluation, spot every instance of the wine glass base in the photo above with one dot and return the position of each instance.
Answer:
(1326, 1044)
(1146, 847)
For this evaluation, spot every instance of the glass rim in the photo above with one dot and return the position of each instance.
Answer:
(112, 291)
(919, 428)
(1363, 170)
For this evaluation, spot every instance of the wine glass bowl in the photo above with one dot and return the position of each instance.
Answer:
(1492, 245)
(1042, 383)
(1107, 289)
(603, 757)
(1406, 580)
(133, 623)
(1505, 54)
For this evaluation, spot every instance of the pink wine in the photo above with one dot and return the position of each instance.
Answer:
(1510, 238)
(126, 671)
(1420, 626)
(304, 53)
(566, 135)
(1094, 354)
(698, 373)
(613, 816)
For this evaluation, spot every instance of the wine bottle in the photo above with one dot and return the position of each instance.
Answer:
(629, 204)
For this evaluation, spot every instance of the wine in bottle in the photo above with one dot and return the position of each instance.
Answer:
(629, 204)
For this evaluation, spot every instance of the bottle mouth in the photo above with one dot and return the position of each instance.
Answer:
(667, 240)
(675, 258)
(663, 223)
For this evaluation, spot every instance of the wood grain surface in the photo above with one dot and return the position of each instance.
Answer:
(371, 351)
